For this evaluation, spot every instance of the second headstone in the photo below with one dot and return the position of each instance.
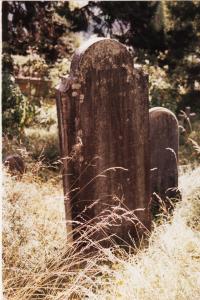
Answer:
(164, 143)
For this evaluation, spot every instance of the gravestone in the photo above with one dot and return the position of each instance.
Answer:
(104, 136)
(164, 141)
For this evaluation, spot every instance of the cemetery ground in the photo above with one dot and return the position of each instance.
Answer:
(91, 123)
(39, 264)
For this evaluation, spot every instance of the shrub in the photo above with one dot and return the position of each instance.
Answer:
(17, 111)
(31, 65)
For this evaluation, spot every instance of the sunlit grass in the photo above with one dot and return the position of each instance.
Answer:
(40, 264)
(33, 225)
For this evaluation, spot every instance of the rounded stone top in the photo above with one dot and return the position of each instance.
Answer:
(156, 112)
(100, 53)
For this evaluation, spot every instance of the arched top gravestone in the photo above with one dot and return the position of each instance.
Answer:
(99, 54)
(164, 130)
(164, 141)
(104, 132)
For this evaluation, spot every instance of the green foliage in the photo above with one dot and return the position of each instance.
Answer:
(166, 33)
(38, 23)
(161, 92)
(183, 57)
(162, 35)
(189, 151)
(61, 67)
(17, 111)
(31, 65)
(132, 23)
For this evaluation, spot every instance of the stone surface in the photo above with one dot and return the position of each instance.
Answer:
(34, 87)
(104, 136)
(164, 141)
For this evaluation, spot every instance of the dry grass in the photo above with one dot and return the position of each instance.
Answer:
(33, 225)
(39, 264)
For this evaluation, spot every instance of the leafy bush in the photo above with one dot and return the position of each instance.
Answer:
(161, 92)
(189, 152)
(17, 111)
(31, 65)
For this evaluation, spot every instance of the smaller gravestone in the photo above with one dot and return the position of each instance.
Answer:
(164, 140)
(15, 164)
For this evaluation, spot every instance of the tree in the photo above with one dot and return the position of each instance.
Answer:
(132, 23)
(164, 36)
(30, 24)
(37, 24)
(183, 57)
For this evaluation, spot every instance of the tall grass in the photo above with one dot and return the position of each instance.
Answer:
(40, 264)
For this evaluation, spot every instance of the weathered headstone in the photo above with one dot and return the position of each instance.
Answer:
(164, 143)
(104, 136)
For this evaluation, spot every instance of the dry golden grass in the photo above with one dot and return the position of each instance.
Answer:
(33, 225)
(39, 264)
